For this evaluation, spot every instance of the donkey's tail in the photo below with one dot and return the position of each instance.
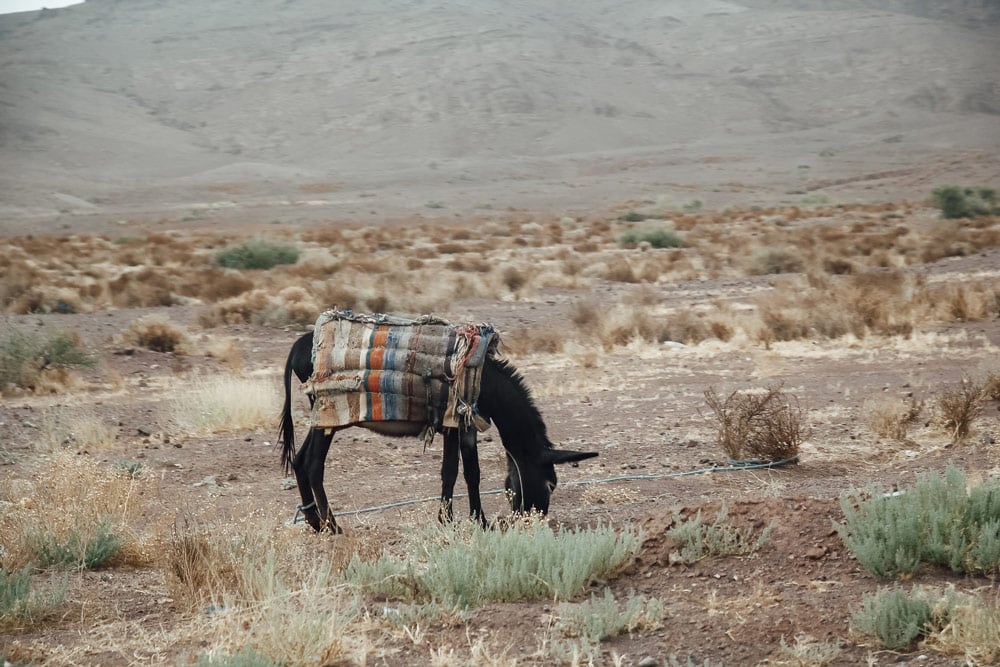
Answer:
(286, 429)
(300, 363)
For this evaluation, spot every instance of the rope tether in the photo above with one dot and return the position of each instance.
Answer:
(733, 466)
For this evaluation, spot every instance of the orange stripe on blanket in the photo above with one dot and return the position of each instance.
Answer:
(376, 359)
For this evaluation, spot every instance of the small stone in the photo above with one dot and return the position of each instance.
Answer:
(649, 661)
(816, 552)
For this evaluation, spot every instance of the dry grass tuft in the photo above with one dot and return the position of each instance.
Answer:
(224, 404)
(267, 588)
(76, 428)
(772, 260)
(78, 500)
(158, 333)
(891, 417)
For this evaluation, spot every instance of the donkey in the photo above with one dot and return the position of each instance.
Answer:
(504, 399)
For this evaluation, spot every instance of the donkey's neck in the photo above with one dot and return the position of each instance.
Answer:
(508, 403)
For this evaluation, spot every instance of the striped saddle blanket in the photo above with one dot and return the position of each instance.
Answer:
(370, 368)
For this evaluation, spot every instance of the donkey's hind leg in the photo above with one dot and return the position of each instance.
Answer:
(309, 465)
(449, 473)
(470, 468)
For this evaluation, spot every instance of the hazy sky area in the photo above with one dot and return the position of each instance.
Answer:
(10, 6)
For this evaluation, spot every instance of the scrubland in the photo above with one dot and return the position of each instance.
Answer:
(108, 559)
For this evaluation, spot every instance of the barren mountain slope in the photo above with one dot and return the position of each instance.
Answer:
(116, 103)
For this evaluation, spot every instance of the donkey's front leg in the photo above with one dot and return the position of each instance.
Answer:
(470, 468)
(449, 473)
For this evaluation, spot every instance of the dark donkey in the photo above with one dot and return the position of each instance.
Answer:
(504, 398)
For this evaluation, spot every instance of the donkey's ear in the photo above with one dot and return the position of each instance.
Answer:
(565, 456)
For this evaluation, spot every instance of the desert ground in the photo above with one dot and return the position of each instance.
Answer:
(517, 164)
(618, 363)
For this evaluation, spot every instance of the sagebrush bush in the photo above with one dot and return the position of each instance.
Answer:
(257, 254)
(600, 618)
(947, 620)
(697, 540)
(964, 202)
(23, 356)
(461, 565)
(938, 521)
(895, 616)
(77, 550)
(760, 426)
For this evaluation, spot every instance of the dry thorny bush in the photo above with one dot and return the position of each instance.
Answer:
(959, 406)
(762, 425)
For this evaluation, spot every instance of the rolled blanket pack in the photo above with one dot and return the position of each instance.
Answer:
(371, 368)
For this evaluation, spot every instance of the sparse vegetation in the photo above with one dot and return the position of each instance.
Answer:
(939, 521)
(257, 254)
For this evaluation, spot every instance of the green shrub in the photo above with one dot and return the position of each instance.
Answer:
(257, 254)
(463, 566)
(600, 617)
(658, 237)
(896, 617)
(23, 356)
(698, 540)
(77, 551)
(938, 522)
(634, 216)
(19, 604)
(964, 202)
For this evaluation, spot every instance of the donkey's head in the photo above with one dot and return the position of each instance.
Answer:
(530, 483)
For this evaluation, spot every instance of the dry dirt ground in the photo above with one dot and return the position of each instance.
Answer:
(641, 407)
